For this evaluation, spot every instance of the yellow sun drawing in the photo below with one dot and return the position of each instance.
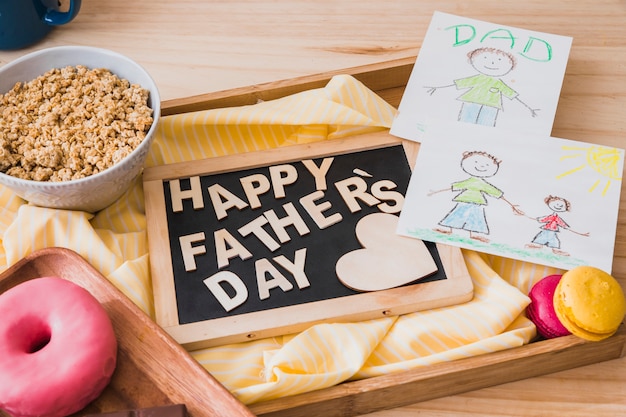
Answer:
(604, 161)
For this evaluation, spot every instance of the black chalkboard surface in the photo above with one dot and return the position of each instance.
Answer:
(235, 242)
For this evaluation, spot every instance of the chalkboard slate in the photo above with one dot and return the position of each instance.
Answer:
(264, 237)
(323, 246)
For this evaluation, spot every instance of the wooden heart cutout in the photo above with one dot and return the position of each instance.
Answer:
(387, 259)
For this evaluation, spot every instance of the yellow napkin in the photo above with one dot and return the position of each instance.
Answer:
(115, 242)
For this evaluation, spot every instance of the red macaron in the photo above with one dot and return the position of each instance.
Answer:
(541, 308)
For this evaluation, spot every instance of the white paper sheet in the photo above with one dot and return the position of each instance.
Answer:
(515, 83)
(530, 168)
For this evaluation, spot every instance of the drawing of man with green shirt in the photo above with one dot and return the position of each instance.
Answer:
(469, 212)
(483, 100)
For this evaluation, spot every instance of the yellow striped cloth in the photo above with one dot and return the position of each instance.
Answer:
(114, 241)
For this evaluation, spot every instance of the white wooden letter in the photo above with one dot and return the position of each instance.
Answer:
(255, 185)
(296, 267)
(279, 180)
(217, 192)
(355, 188)
(190, 251)
(319, 173)
(227, 247)
(178, 195)
(316, 210)
(214, 284)
(256, 227)
(382, 190)
(292, 218)
(263, 267)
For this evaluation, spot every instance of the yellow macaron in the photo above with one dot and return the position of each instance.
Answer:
(590, 303)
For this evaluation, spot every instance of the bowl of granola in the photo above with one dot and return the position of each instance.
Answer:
(76, 124)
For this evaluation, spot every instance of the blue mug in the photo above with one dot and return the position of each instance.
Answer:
(24, 22)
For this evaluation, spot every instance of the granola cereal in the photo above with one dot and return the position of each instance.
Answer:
(70, 123)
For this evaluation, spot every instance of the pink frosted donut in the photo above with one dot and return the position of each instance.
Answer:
(57, 348)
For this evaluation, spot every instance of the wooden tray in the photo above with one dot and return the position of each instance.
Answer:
(388, 80)
(152, 368)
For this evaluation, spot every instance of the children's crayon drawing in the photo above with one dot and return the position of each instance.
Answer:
(541, 199)
(469, 71)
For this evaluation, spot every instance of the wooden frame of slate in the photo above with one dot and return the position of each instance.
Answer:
(219, 276)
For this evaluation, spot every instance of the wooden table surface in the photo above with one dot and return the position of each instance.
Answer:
(193, 47)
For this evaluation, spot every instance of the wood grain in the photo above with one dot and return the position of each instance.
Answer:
(152, 369)
(195, 47)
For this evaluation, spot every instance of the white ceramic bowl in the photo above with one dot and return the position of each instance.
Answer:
(97, 191)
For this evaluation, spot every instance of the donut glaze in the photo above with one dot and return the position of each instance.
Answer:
(58, 349)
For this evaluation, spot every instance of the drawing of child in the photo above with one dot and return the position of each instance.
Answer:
(551, 225)
(469, 212)
(483, 100)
